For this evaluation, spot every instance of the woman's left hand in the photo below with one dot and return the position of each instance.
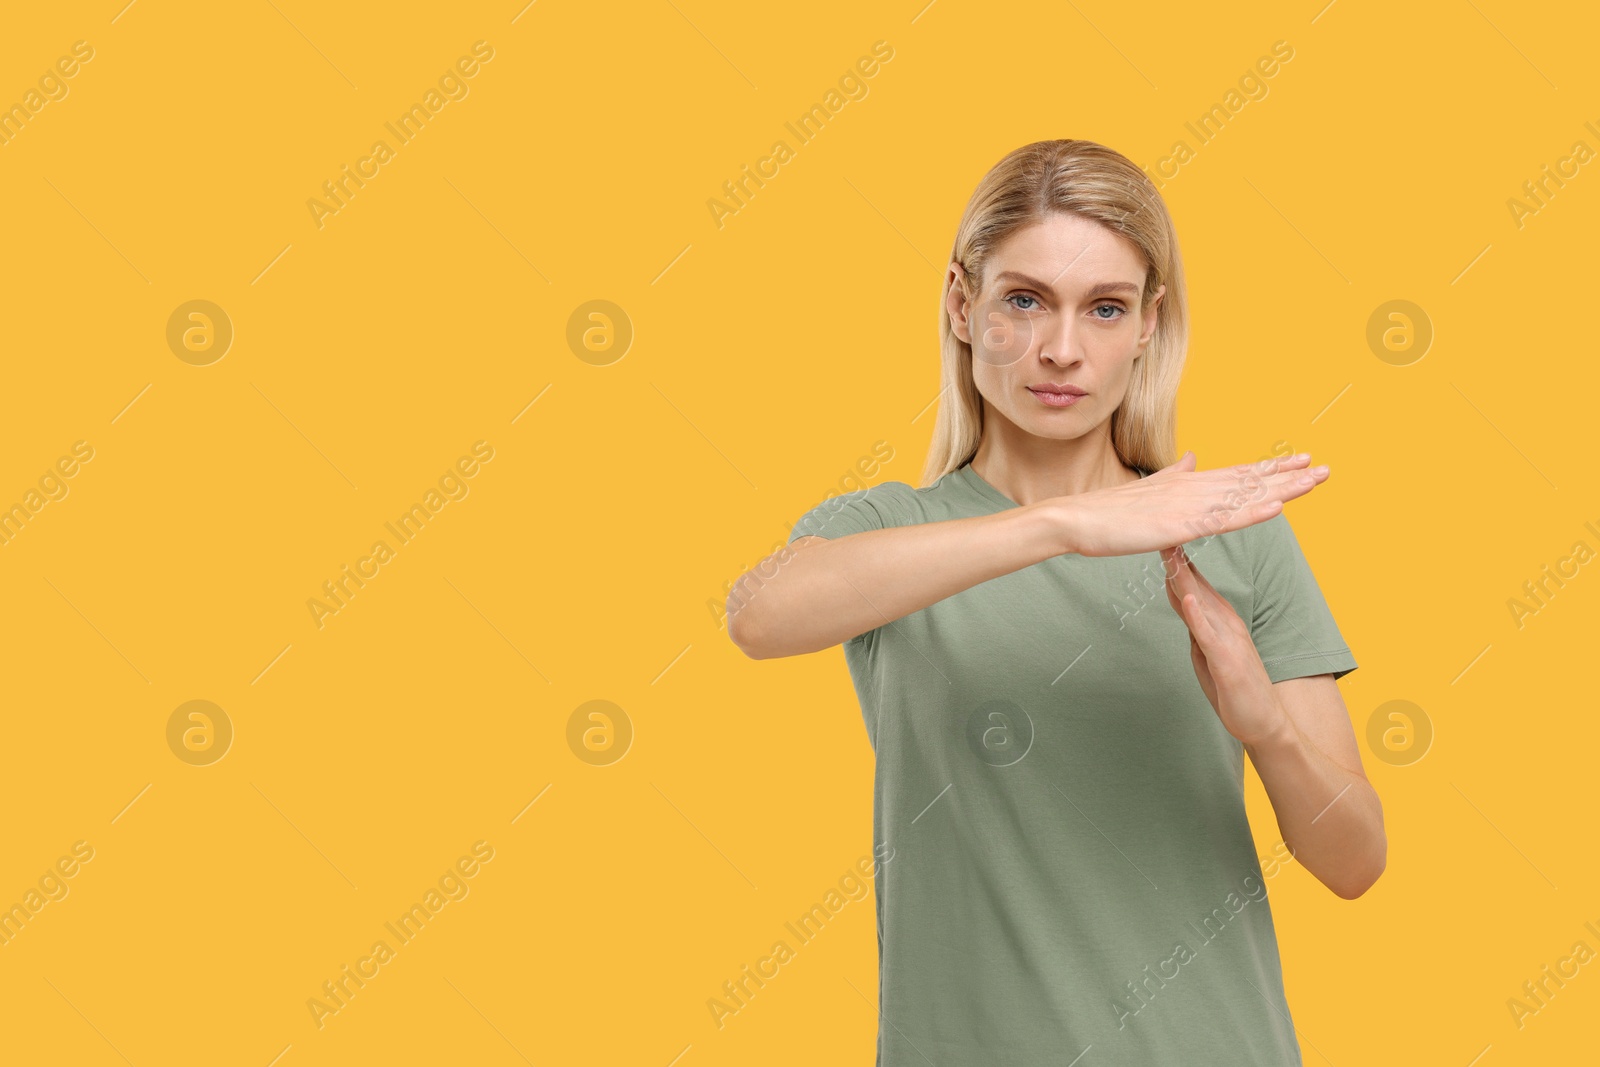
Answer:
(1224, 655)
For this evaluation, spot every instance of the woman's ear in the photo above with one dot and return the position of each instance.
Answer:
(1149, 317)
(956, 303)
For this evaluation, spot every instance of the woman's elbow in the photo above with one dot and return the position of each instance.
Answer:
(1351, 888)
(745, 630)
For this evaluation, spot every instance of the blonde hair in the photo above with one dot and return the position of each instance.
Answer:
(1093, 182)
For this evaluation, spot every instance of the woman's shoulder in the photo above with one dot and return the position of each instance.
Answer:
(891, 499)
(874, 507)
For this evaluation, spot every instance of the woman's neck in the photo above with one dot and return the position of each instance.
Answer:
(1030, 474)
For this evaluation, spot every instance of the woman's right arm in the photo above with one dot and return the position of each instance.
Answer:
(827, 591)
(822, 592)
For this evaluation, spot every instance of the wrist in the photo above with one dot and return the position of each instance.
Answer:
(1060, 519)
(1042, 528)
(1283, 736)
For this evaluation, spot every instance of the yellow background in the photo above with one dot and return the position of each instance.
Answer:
(769, 356)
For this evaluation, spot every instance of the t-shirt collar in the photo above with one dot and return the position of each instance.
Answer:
(974, 481)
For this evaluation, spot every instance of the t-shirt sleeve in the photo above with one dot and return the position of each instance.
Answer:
(876, 508)
(1293, 629)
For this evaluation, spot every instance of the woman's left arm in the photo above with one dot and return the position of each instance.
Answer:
(1297, 733)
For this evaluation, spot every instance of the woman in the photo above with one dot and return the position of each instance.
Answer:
(1068, 874)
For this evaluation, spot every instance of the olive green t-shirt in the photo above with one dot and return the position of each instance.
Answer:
(1070, 869)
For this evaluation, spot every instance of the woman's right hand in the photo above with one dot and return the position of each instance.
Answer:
(1178, 504)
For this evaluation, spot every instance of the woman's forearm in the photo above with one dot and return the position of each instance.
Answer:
(816, 593)
(1330, 817)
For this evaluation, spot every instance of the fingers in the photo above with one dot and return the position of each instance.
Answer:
(1277, 470)
(1180, 576)
(1170, 568)
(1246, 493)
(1185, 462)
(1191, 595)
(1188, 593)
(1194, 572)
(1275, 482)
(1183, 577)
(1205, 635)
(1180, 572)
(1295, 483)
(1275, 464)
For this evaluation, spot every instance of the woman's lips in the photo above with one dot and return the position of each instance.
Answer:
(1057, 400)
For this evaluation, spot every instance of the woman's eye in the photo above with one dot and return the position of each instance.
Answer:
(1109, 318)
(1022, 296)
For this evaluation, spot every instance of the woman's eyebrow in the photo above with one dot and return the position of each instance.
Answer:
(1097, 290)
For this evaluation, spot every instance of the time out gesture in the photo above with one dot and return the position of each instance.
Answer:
(1297, 732)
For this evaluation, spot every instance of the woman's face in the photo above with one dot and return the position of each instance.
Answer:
(1058, 325)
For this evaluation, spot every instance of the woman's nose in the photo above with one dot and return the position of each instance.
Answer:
(1057, 340)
